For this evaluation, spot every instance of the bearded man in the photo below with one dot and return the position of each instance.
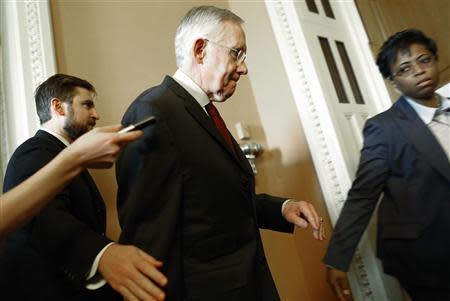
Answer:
(63, 253)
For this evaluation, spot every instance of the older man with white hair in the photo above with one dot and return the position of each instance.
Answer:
(186, 191)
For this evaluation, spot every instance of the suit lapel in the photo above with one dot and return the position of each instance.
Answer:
(197, 112)
(97, 198)
(421, 137)
(243, 161)
(52, 139)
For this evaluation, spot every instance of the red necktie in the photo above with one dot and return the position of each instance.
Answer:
(220, 124)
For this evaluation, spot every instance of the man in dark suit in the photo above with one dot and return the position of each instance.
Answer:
(186, 191)
(406, 157)
(63, 253)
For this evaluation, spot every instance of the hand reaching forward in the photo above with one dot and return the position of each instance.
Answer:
(133, 273)
(338, 281)
(100, 147)
(302, 213)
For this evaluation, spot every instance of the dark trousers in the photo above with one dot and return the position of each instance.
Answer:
(418, 293)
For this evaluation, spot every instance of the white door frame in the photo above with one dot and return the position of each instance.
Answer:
(335, 179)
(28, 58)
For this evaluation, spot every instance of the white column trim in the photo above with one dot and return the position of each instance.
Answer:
(321, 136)
(29, 58)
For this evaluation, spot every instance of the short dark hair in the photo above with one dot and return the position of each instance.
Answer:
(398, 42)
(59, 86)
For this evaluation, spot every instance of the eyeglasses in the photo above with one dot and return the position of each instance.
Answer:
(238, 55)
(424, 62)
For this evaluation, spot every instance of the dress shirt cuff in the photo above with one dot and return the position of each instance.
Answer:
(284, 205)
(331, 267)
(94, 279)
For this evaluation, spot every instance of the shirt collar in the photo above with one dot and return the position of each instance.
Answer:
(58, 136)
(445, 104)
(426, 113)
(187, 83)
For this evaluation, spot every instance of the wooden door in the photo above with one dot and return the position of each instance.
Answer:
(382, 18)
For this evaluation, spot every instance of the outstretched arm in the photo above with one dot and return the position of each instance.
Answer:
(97, 149)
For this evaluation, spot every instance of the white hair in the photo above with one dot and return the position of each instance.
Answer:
(199, 22)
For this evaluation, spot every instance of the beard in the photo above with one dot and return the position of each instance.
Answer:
(73, 128)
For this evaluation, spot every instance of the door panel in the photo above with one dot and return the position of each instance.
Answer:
(337, 87)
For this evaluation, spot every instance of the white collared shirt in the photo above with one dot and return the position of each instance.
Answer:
(189, 85)
(200, 96)
(440, 130)
(427, 113)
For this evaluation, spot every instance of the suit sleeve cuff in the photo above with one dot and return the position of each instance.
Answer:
(284, 205)
(94, 279)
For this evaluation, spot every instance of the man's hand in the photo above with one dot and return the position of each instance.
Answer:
(338, 281)
(100, 147)
(301, 213)
(132, 272)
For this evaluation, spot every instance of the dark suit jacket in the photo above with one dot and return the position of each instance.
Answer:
(402, 159)
(50, 257)
(185, 198)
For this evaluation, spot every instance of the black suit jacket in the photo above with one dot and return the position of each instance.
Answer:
(50, 257)
(402, 159)
(185, 198)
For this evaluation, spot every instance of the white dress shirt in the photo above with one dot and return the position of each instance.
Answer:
(200, 96)
(189, 85)
(438, 125)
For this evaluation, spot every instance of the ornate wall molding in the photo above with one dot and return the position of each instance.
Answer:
(327, 163)
(29, 58)
(327, 155)
(33, 26)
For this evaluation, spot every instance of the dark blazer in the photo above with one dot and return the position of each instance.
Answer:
(186, 199)
(50, 257)
(402, 159)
